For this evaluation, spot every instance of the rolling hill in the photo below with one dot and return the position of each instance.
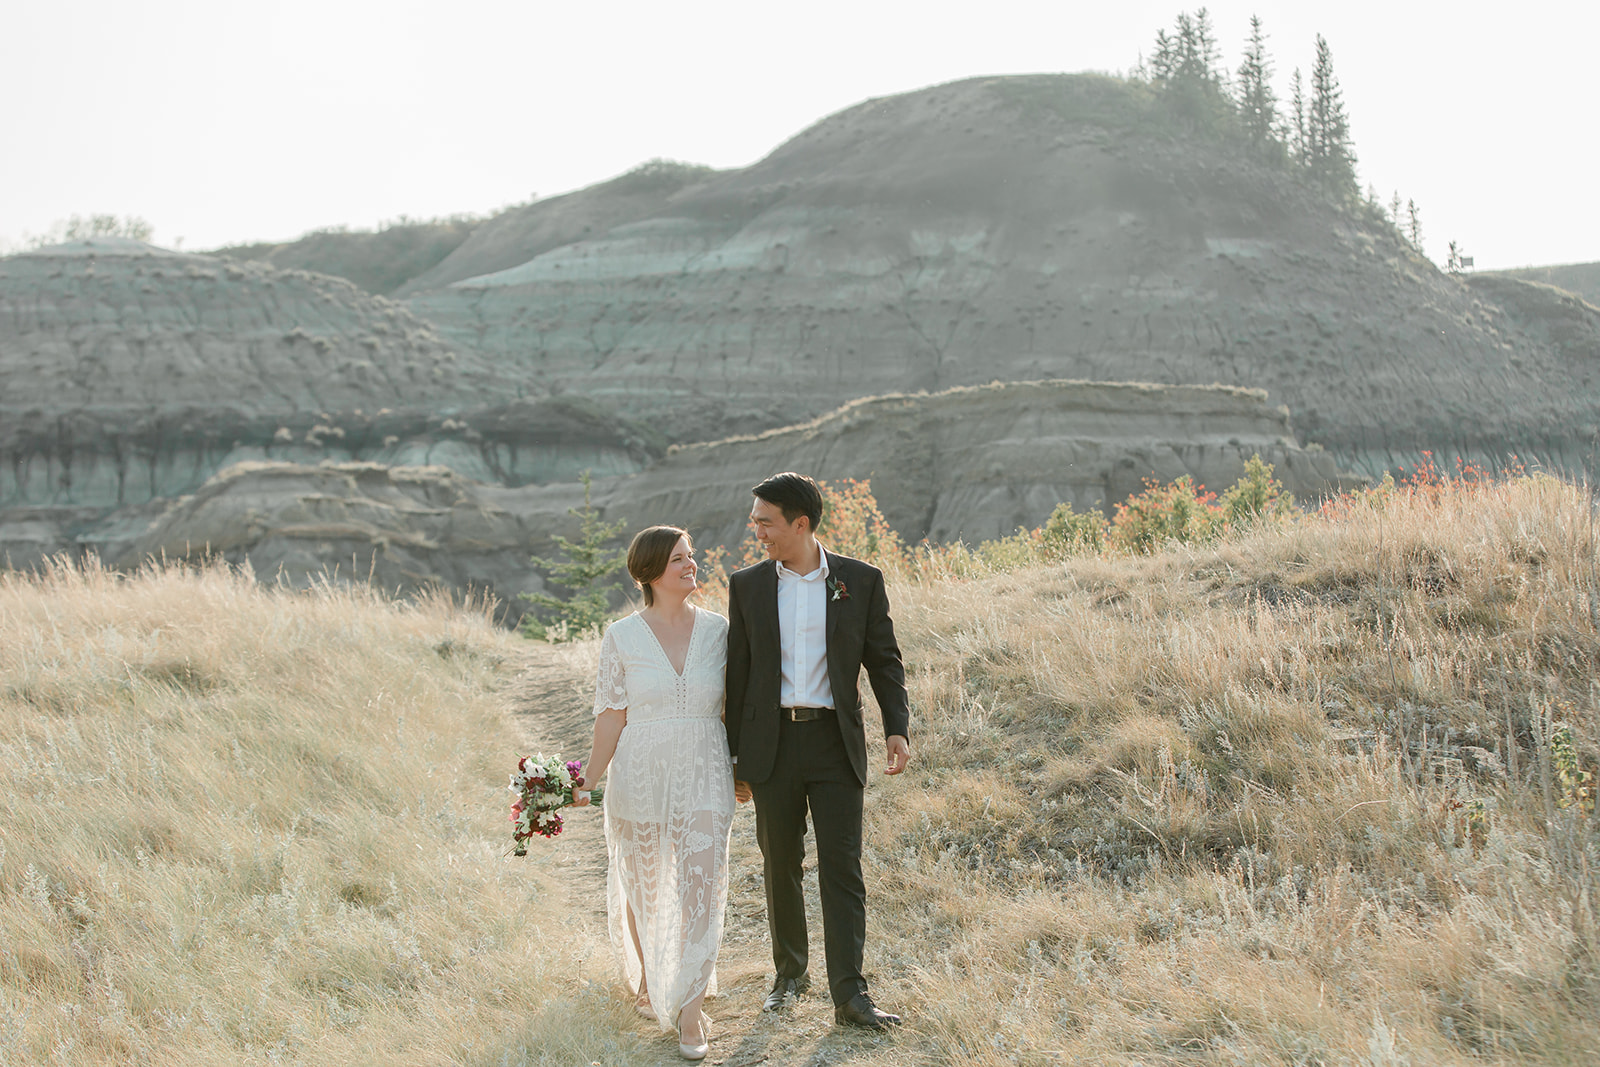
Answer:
(1013, 229)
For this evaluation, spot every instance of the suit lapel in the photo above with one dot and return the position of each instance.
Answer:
(834, 606)
(767, 603)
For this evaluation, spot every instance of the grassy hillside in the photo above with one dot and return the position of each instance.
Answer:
(1319, 795)
(379, 262)
(1315, 794)
(247, 826)
(1582, 279)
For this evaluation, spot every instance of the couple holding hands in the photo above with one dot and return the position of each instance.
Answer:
(695, 712)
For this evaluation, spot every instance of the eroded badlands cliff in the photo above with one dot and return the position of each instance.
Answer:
(839, 307)
(129, 374)
(1011, 229)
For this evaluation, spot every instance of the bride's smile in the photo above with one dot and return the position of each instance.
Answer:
(681, 568)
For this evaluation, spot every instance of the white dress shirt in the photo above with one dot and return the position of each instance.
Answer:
(803, 635)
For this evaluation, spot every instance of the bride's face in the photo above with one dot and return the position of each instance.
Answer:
(681, 576)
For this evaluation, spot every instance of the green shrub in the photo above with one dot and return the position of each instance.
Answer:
(587, 569)
(1021, 549)
(1068, 533)
(1257, 496)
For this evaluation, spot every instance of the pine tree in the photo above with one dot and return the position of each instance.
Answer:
(1164, 59)
(1300, 145)
(1414, 225)
(1396, 209)
(1207, 53)
(1452, 262)
(583, 570)
(1331, 155)
(1186, 69)
(1258, 105)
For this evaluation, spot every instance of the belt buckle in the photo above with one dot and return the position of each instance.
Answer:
(803, 714)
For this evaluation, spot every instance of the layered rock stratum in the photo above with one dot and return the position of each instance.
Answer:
(969, 463)
(130, 374)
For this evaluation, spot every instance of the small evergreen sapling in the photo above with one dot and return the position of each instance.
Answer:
(587, 568)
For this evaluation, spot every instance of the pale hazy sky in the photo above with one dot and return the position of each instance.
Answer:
(223, 122)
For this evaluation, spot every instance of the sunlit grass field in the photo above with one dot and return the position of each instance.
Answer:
(1318, 793)
(256, 826)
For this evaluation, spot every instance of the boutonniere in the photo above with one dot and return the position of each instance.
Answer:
(837, 589)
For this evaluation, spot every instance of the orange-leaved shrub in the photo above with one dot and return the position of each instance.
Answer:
(1179, 511)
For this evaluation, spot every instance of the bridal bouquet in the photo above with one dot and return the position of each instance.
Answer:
(543, 784)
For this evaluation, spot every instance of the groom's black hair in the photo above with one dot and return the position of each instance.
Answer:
(793, 494)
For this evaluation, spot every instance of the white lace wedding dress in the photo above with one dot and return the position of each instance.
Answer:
(668, 807)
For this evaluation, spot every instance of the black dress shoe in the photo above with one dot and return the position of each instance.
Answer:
(860, 1011)
(785, 991)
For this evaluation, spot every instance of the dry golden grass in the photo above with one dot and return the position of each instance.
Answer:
(1296, 798)
(254, 826)
(1291, 799)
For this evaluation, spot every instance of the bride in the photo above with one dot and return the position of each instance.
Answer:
(669, 804)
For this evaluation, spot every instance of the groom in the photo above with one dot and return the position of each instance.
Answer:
(801, 625)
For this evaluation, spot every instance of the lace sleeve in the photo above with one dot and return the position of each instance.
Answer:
(611, 684)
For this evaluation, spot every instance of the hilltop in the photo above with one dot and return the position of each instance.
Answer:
(379, 262)
(1580, 279)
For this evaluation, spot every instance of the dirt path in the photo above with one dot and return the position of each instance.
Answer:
(551, 708)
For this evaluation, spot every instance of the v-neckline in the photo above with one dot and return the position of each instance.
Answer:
(688, 646)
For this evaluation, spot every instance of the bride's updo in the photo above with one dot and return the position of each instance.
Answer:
(648, 555)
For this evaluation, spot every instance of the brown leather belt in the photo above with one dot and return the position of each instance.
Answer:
(804, 714)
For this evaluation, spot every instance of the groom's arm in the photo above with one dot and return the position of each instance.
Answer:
(880, 655)
(737, 675)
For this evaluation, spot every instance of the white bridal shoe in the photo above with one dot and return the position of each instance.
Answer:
(696, 1052)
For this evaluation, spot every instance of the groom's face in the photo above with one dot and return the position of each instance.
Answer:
(784, 541)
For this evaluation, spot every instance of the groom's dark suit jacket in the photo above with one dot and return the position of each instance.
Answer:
(860, 634)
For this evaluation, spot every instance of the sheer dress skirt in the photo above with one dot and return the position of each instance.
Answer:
(668, 814)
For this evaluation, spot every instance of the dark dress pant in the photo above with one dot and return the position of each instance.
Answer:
(812, 773)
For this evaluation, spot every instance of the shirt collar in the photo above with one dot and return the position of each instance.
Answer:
(820, 573)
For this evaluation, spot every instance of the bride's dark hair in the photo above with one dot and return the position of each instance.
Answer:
(649, 553)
